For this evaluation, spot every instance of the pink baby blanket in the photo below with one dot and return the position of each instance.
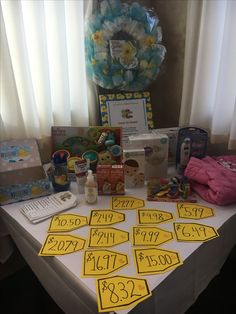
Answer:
(213, 178)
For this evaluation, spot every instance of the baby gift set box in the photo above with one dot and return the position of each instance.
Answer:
(21, 172)
(134, 167)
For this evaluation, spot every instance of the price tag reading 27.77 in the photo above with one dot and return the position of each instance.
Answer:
(61, 244)
(194, 232)
(106, 237)
(194, 211)
(126, 202)
(120, 292)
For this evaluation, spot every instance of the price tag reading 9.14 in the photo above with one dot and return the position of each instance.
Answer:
(106, 237)
(120, 292)
(67, 222)
(194, 232)
(61, 244)
(155, 261)
(194, 211)
(126, 202)
(102, 262)
(105, 217)
(150, 236)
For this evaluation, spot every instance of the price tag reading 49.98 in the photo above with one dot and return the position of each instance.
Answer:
(120, 292)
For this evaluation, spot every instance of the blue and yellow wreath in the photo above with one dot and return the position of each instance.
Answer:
(122, 45)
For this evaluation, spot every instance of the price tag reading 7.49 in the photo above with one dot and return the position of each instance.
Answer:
(126, 202)
(153, 216)
(155, 261)
(150, 236)
(105, 217)
(67, 222)
(120, 292)
(102, 262)
(106, 237)
(194, 232)
(61, 244)
(194, 211)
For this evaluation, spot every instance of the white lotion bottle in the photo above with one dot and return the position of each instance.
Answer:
(91, 188)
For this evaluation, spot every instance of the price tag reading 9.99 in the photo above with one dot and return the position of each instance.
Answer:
(120, 292)
(150, 236)
(155, 261)
(67, 222)
(194, 232)
(126, 202)
(60, 244)
(194, 211)
(106, 237)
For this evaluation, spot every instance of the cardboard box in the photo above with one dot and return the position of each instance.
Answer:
(156, 153)
(134, 167)
(21, 172)
(110, 179)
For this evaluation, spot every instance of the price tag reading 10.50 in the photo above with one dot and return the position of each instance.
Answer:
(67, 222)
(102, 262)
(194, 211)
(155, 261)
(120, 292)
(61, 244)
(126, 202)
(194, 232)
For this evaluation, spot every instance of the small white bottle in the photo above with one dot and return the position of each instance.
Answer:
(91, 188)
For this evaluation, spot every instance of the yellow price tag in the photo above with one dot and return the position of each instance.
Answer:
(153, 216)
(150, 236)
(106, 237)
(67, 222)
(194, 232)
(126, 202)
(105, 217)
(61, 244)
(155, 261)
(120, 292)
(194, 211)
(102, 262)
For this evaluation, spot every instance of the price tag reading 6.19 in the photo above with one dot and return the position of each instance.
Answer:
(194, 232)
(119, 292)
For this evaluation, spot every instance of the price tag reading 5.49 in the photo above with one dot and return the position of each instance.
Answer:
(150, 236)
(120, 292)
(102, 262)
(61, 244)
(105, 217)
(106, 237)
(67, 222)
(194, 232)
(155, 261)
(126, 202)
(194, 211)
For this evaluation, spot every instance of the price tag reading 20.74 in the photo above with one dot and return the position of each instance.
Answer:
(120, 292)
(194, 232)
(61, 244)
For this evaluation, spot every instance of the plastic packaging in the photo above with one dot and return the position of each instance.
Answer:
(91, 188)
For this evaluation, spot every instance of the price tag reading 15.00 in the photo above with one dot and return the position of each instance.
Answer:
(120, 292)
(126, 202)
(61, 244)
(194, 211)
(194, 232)
(67, 222)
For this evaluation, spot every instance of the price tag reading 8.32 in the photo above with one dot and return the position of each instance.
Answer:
(194, 232)
(61, 244)
(194, 211)
(120, 292)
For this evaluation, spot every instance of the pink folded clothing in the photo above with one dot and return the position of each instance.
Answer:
(214, 179)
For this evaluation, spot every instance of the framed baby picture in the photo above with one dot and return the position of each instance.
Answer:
(130, 110)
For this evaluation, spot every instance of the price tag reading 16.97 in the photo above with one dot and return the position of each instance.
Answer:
(120, 292)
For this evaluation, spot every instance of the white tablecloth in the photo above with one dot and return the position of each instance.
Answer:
(172, 292)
